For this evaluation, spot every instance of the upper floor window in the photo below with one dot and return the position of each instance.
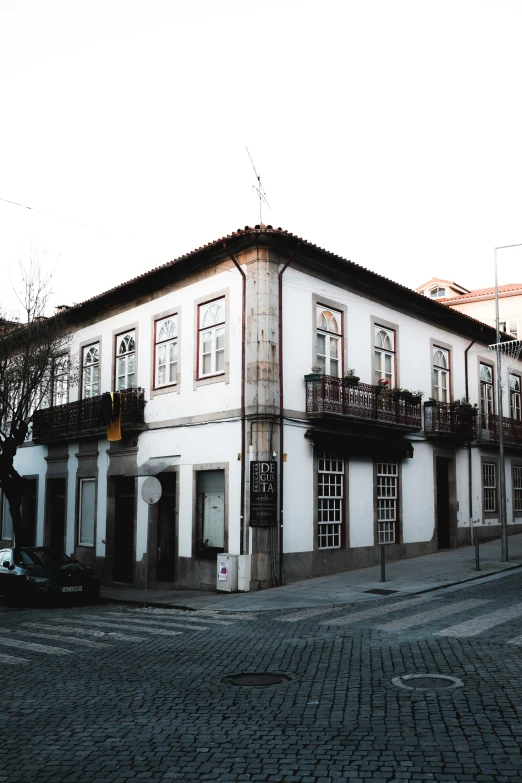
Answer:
(59, 380)
(510, 327)
(125, 361)
(514, 396)
(384, 355)
(437, 292)
(91, 371)
(441, 375)
(211, 337)
(329, 338)
(486, 393)
(166, 351)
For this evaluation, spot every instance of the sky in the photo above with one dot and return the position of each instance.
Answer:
(386, 132)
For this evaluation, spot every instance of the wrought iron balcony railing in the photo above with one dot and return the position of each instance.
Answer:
(445, 420)
(488, 429)
(82, 418)
(330, 395)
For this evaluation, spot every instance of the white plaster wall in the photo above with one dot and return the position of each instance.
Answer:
(70, 512)
(101, 504)
(418, 503)
(298, 492)
(510, 307)
(360, 502)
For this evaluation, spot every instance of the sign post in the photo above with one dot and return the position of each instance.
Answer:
(263, 493)
(151, 494)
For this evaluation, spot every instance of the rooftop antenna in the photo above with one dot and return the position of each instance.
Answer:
(259, 190)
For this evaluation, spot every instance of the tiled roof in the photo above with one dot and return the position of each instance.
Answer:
(440, 280)
(502, 289)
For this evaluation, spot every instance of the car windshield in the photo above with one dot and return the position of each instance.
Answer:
(44, 557)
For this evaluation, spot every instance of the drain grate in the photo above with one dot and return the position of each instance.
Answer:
(381, 591)
(253, 679)
(427, 682)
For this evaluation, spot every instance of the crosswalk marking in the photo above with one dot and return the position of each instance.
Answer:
(183, 616)
(304, 614)
(12, 659)
(61, 638)
(44, 648)
(87, 632)
(145, 622)
(425, 617)
(133, 626)
(517, 640)
(375, 611)
(482, 623)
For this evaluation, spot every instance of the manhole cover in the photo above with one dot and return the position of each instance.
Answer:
(254, 678)
(381, 591)
(427, 682)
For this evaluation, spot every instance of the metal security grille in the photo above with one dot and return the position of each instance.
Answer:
(330, 487)
(387, 494)
(517, 487)
(489, 486)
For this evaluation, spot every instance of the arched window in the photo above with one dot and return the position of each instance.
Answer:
(514, 396)
(211, 337)
(384, 355)
(125, 361)
(166, 352)
(486, 393)
(441, 374)
(91, 371)
(329, 341)
(437, 292)
(60, 382)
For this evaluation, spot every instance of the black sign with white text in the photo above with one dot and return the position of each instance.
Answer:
(263, 494)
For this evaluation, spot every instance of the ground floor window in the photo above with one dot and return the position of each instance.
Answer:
(387, 502)
(86, 512)
(517, 487)
(330, 492)
(210, 510)
(489, 486)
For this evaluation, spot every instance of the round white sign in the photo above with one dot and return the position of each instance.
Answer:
(151, 490)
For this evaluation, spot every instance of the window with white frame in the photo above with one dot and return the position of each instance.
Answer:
(91, 371)
(384, 355)
(514, 396)
(486, 393)
(125, 360)
(60, 380)
(517, 487)
(437, 292)
(7, 521)
(211, 337)
(387, 500)
(489, 486)
(329, 341)
(510, 327)
(166, 351)
(86, 512)
(441, 374)
(330, 493)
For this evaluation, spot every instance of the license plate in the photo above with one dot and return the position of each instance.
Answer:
(72, 589)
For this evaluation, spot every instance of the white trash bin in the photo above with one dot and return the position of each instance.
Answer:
(226, 572)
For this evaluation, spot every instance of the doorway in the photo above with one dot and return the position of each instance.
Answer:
(443, 502)
(166, 536)
(56, 508)
(124, 514)
(29, 507)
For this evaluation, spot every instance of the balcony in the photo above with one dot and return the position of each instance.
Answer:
(445, 421)
(487, 430)
(330, 397)
(81, 419)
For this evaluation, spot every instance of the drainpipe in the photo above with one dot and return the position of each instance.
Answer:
(470, 482)
(243, 380)
(281, 409)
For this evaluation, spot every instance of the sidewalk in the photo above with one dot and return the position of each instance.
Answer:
(414, 575)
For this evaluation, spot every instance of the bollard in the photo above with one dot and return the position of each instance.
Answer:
(477, 554)
(383, 564)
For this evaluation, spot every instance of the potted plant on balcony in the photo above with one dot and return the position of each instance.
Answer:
(316, 374)
(464, 406)
(350, 378)
(382, 386)
(416, 397)
(431, 403)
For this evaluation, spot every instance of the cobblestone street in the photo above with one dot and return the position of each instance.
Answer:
(112, 693)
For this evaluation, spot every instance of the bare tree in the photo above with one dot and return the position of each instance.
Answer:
(32, 347)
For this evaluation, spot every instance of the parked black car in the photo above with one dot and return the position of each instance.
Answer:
(27, 572)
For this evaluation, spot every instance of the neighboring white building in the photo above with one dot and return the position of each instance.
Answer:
(210, 353)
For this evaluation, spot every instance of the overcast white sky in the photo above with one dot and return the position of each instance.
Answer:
(387, 131)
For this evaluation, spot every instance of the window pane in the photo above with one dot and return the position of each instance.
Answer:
(206, 364)
(220, 339)
(87, 511)
(220, 361)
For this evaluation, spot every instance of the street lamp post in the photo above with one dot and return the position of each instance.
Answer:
(502, 466)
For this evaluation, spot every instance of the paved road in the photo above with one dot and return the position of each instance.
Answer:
(112, 694)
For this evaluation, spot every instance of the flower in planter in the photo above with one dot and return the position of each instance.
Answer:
(351, 377)
(317, 368)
